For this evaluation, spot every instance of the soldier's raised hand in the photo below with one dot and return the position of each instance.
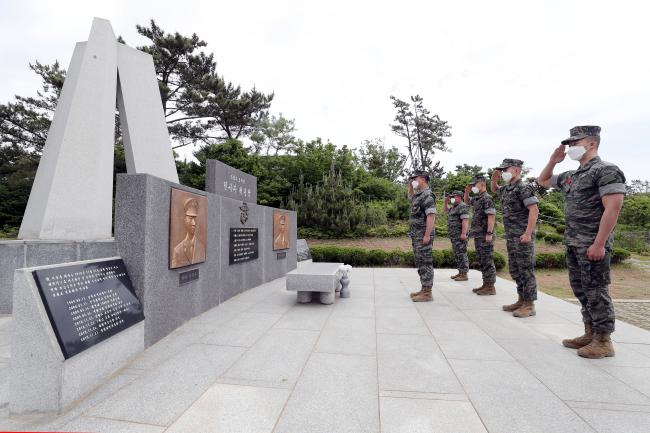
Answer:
(558, 154)
(496, 175)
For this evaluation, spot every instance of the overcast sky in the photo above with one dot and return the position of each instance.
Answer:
(511, 77)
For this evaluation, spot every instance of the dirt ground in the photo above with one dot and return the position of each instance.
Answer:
(630, 280)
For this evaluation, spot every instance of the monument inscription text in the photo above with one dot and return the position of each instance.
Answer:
(244, 245)
(88, 303)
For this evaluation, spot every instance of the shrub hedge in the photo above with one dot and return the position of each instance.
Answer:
(363, 257)
(441, 258)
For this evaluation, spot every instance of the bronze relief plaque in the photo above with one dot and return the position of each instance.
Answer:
(281, 230)
(188, 228)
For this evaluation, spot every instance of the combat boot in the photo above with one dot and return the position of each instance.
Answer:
(527, 309)
(512, 307)
(478, 288)
(600, 346)
(425, 296)
(488, 289)
(453, 277)
(414, 294)
(461, 277)
(582, 341)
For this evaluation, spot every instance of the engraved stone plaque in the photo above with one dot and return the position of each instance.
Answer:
(243, 245)
(88, 303)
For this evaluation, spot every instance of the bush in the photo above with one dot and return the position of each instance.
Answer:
(362, 257)
(541, 235)
(560, 229)
(550, 261)
(619, 255)
(553, 238)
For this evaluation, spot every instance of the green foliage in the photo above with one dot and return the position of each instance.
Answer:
(636, 211)
(560, 229)
(553, 238)
(549, 212)
(558, 260)
(620, 255)
(363, 257)
(550, 260)
(381, 162)
(541, 234)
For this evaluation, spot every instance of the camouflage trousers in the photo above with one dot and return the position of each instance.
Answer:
(521, 262)
(484, 252)
(590, 283)
(460, 252)
(423, 260)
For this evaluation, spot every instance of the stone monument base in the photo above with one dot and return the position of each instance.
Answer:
(17, 254)
(42, 380)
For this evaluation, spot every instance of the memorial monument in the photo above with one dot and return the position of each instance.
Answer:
(177, 252)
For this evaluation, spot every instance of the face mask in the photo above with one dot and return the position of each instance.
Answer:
(576, 152)
(506, 176)
(475, 190)
(452, 201)
(415, 184)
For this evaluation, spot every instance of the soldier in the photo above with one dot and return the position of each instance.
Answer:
(421, 223)
(520, 212)
(457, 225)
(593, 197)
(482, 231)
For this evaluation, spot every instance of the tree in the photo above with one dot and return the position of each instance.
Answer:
(273, 134)
(638, 187)
(424, 133)
(380, 161)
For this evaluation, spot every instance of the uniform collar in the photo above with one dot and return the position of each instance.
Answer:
(426, 188)
(511, 186)
(589, 164)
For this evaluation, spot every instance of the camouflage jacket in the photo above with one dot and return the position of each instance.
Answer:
(515, 199)
(583, 191)
(422, 204)
(483, 206)
(457, 213)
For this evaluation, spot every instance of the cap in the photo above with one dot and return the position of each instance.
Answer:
(510, 162)
(478, 178)
(580, 132)
(418, 173)
(455, 193)
(191, 206)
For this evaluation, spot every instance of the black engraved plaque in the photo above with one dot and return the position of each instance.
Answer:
(88, 303)
(188, 276)
(282, 255)
(243, 245)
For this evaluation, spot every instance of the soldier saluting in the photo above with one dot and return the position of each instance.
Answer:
(421, 223)
(593, 197)
(520, 212)
(457, 227)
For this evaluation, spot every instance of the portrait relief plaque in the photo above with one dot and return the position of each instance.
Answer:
(281, 230)
(188, 228)
(88, 303)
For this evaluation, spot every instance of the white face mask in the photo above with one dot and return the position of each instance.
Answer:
(415, 184)
(475, 189)
(452, 201)
(576, 152)
(506, 176)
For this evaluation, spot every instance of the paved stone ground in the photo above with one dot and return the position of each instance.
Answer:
(636, 313)
(375, 362)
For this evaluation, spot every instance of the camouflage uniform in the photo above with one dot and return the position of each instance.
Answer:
(483, 206)
(423, 203)
(583, 208)
(457, 213)
(515, 199)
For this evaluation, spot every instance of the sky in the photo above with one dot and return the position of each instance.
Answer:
(510, 77)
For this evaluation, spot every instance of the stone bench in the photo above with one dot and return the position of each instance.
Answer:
(321, 278)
